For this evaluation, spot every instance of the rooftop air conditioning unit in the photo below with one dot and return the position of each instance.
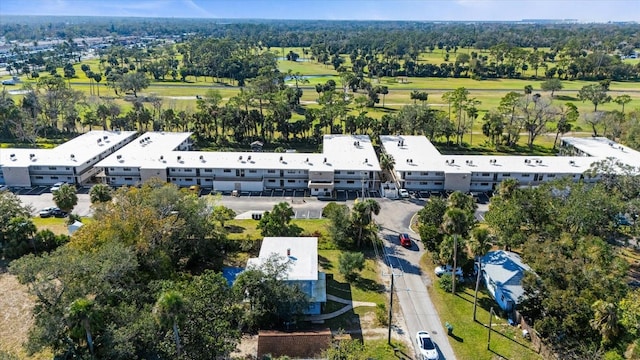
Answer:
(119, 157)
(202, 157)
(281, 158)
(31, 156)
(325, 161)
(161, 157)
(366, 160)
(179, 158)
(249, 158)
(240, 158)
(73, 156)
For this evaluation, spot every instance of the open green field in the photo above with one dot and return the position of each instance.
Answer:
(181, 96)
(469, 340)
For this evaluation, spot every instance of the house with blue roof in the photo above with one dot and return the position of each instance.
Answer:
(503, 272)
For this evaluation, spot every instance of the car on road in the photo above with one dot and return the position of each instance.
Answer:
(403, 193)
(47, 212)
(57, 186)
(447, 269)
(427, 348)
(405, 240)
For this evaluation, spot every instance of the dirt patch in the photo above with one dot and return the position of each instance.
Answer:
(16, 316)
(247, 348)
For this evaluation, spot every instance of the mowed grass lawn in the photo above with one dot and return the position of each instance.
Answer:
(470, 337)
(57, 225)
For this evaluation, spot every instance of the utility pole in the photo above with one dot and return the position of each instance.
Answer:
(475, 298)
(390, 309)
(491, 313)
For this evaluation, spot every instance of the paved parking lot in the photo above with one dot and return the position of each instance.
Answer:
(39, 200)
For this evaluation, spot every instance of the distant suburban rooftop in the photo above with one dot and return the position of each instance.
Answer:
(506, 270)
(601, 147)
(74, 152)
(156, 150)
(417, 153)
(301, 253)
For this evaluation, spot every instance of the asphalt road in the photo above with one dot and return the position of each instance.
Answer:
(410, 283)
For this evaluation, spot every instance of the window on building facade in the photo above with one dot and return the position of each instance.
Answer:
(351, 172)
(53, 168)
(350, 182)
(208, 170)
(226, 170)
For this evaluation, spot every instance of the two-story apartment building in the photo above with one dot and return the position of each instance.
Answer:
(72, 162)
(347, 162)
(419, 166)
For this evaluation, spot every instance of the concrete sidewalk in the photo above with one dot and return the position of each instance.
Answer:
(348, 306)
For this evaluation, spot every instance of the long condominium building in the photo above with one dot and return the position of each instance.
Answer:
(72, 162)
(347, 162)
(419, 166)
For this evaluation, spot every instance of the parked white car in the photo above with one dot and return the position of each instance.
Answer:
(56, 186)
(403, 193)
(426, 346)
(447, 269)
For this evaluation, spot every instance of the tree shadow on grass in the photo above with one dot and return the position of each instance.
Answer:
(234, 229)
(565, 97)
(368, 285)
(325, 263)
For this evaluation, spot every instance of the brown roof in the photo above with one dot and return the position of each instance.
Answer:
(305, 344)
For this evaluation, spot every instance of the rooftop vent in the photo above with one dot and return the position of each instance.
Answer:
(12, 156)
(31, 156)
(571, 162)
(538, 161)
(99, 141)
(249, 158)
(366, 160)
(492, 161)
(527, 161)
(161, 157)
(325, 161)
(73, 156)
(469, 162)
(202, 157)
(119, 157)
(240, 158)
(105, 137)
(281, 158)
(179, 157)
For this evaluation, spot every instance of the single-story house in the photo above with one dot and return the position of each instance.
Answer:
(503, 272)
(301, 255)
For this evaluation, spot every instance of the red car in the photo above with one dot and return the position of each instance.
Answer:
(405, 240)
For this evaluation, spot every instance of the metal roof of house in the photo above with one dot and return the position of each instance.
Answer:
(302, 255)
(74, 152)
(506, 269)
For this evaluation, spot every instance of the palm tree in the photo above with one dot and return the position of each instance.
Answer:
(605, 320)
(507, 188)
(80, 312)
(387, 163)
(100, 193)
(455, 223)
(362, 215)
(65, 197)
(168, 311)
(478, 246)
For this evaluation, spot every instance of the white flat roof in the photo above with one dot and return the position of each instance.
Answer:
(158, 153)
(83, 148)
(604, 148)
(302, 258)
(142, 151)
(417, 153)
